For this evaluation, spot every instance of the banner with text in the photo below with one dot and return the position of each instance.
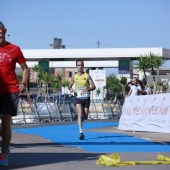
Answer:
(146, 113)
(99, 77)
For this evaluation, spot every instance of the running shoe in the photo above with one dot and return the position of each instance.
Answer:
(3, 159)
(81, 136)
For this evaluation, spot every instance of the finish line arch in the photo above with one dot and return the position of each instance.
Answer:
(97, 57)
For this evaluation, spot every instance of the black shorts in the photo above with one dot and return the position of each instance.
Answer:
(84, 102)
(9, 104)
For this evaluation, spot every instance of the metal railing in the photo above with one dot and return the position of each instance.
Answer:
(57, 108)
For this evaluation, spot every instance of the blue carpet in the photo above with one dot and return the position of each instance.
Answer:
(95, 141)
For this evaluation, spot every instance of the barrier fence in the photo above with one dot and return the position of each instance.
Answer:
(58, 108)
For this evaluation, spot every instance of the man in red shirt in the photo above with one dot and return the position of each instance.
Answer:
(10, 54)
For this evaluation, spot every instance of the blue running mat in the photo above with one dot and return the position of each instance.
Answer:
(68, 135)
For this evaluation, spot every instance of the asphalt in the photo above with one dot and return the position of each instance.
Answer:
(29, 151)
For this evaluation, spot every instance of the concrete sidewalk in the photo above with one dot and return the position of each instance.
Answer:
(35, 153)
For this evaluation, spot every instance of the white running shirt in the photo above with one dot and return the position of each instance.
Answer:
(134, 90)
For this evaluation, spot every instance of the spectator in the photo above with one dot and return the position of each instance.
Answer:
(146, 87)
(160, 90)
(133, 89)
(141, 88)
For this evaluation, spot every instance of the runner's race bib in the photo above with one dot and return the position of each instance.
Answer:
(80, 93)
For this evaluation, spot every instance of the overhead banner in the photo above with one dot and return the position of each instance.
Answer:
(146, 113)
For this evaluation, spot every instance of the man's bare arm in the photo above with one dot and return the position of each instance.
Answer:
(25, 76)
(71, 85)
(92, 85)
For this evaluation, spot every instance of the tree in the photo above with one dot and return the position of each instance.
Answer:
(123, 82)
(98, 91)
(56, 83)
(65, 84)
(115, 86)
(46, 78)
(107, 88)
(142, 64)
(150, 61)
(38, 70)
(155, 61)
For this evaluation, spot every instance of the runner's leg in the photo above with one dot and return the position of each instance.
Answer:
(80, 113)
(6, 132)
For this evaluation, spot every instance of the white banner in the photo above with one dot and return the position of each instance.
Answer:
(146, 113)
(99, 77)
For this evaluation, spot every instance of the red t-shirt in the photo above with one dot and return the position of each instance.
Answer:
(10, 54)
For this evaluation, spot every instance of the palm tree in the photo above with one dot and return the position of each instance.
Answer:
(39, 71)
(65, 84)
(142, 64)
(123, 82)
(56, 83)
(150, 61)
(107, 87)
(115, 86)
(46, 78)
(155, 61)
(98, 91)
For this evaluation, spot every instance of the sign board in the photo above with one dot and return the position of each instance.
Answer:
(124, 67)
(44, 65)
(146, 113)
(98, 77)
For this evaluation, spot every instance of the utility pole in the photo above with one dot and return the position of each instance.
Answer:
(98, 44)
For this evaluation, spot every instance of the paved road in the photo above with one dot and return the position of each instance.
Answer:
(30, 151)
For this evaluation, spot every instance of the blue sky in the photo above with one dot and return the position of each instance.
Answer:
(33, 24)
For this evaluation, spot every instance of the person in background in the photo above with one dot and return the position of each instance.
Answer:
(141, 88)
(83, 85)
(135, 79)
(146, 87)
(133, 89)
(10, 54)
(160, 90)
